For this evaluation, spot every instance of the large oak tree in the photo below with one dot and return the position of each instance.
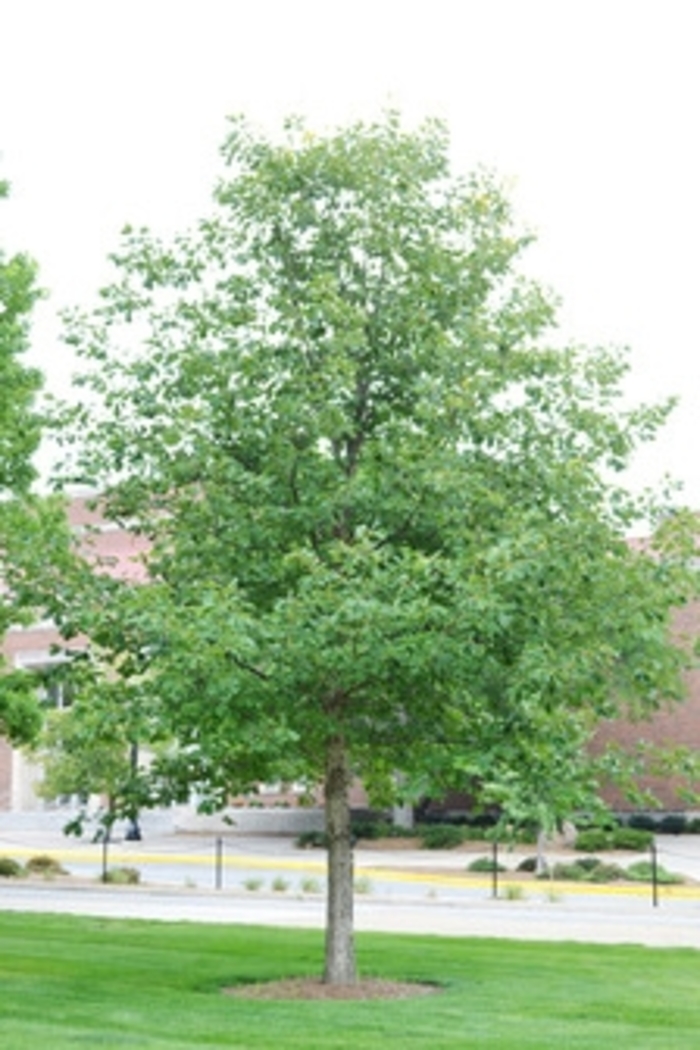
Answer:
(388, 540)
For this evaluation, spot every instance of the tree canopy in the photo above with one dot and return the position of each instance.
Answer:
(387, 531)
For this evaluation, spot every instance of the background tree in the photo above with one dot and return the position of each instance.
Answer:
(91, 746)
(19, 438)
(385, 538)
(19, 384)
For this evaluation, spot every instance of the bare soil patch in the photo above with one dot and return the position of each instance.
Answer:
(315, 988)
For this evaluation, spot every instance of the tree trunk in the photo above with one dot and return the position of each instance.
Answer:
(340, 967)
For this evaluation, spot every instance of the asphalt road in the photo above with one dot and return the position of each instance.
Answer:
(603, 919)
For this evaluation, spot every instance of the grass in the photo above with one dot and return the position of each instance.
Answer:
(72, 982)
(310, 885)
(514, 892)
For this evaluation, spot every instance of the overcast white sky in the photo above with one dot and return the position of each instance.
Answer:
(112, 112)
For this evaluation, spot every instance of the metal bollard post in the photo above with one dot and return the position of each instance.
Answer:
(219, 863)
(654, 876)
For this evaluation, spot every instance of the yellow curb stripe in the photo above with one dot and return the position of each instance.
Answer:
(93, 854)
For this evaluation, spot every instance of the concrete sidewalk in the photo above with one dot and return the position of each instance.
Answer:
(602, 919)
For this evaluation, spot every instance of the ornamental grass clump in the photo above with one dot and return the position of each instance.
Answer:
(589, 869)
(44, 864)
(122, 876)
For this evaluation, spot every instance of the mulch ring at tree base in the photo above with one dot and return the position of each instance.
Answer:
(315, 988)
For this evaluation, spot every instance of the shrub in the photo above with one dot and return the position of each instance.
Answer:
(568, 872)
(441, 836)
(43, 864)
(475, 833)
(632, 838)
(606, 873)
(589, 869)
(643, 822)
(279, 884)
(589, 863)
(673, 824)
(10, 868)
(311, 840)
(310, 885)
(375, 829)
(527, 864)
(253, 884)
(485, 864)
(594, 839)
(642, 871)
(122, 876)
(693, 826)
(514, 892)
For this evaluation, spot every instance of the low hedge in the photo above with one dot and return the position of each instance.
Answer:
(441, 836)
(594, 839)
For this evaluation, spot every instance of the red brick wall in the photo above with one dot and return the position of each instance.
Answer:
(676, 723)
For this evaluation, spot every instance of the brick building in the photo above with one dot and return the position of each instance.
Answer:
(118, 552)
(675, 724)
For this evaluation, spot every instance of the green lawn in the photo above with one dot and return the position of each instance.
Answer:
(70, 982)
